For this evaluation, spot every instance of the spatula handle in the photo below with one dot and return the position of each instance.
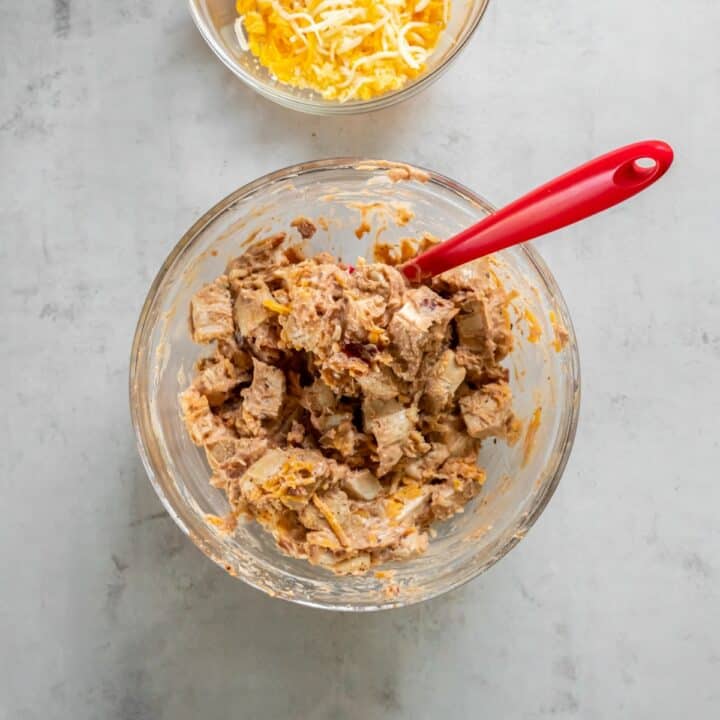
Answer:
(580, 193)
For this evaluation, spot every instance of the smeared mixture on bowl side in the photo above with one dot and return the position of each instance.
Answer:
(342, 49)
(344, 410)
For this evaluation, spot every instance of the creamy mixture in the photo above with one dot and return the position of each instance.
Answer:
(343, 409)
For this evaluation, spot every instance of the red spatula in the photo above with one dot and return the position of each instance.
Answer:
(590, 188)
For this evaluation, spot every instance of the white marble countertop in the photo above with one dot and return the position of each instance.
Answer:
(118, 127)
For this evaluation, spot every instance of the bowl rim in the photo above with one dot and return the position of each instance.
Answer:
(324, 107)
(565, 440)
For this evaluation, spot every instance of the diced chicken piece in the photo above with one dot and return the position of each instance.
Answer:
(418, 310)
(474, 329)
(488, 411)
(218, 379)
(380, 280)
(388, 421)
(334, 422)
(325, 412)
(362, 485)
(479, 367)
(229, 348)
(422, 320)
(424, 468)
(484, 324)
(388, 457)
(341, 371)
(444, 379)
(250, 309)
(267, 467)
(467, 280)
(289, 477)
(264, 341)
(278, 428)
(379, 383)
(449, 431)
(232, 450)
(501, 327)
(376, 293)
(313, 519)
(259, 258)
(232, 456)
(202, 425)
(365, 320)
(316, 295)
(317, 398)
(264, 398)
(333, 418)
(484, 327)
(211, 312)
(322, 546)
(463, 481)
(230, 413)
(353, 446)
(391, 424)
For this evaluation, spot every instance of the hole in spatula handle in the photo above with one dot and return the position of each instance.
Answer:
(642, 171)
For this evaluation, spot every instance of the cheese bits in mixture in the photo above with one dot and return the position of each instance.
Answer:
(342, 49)
(344, 411)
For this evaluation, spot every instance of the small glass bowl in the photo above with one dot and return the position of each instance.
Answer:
(215, 19)
(520, 479)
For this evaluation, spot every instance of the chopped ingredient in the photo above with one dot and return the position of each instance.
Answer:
(344, 411)
(305, 227)
(342, 49)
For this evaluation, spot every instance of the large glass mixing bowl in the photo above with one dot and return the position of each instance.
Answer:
(520, 479)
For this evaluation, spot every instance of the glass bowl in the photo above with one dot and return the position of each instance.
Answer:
(520, 479)
(215, 19)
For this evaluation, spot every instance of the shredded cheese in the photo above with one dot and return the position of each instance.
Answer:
(343, 49)
(534, 326)
(276, 307)
(332, 521)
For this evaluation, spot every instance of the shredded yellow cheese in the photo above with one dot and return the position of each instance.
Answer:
(343, 49)
(276, 307)
(395, 504)
(534, 326)
(332, 521)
